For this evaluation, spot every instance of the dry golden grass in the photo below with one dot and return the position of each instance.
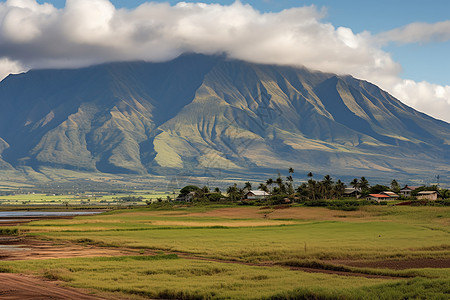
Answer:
(242, 223)
(292, 213)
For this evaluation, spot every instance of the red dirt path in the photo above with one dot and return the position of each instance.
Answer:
(19, 287)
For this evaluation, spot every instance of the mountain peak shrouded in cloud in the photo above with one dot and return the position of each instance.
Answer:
(87, 32)
(201, 113)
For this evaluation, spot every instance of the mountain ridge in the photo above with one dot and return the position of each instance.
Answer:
(198, 113)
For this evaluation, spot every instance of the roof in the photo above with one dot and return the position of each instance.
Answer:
(427, 192)
(350, 190)
(391, 194)
(259, 193)
(379, 196)
(411, 188)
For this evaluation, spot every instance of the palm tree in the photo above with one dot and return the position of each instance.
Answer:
(269, 183)
(340, 188)
(291, 181)
(216, 190)
(290, 185)
(355, 184)
(248, 186)
(279, 182)
(263, 187)
(327, 183)
(310, 175)
(312, 188)
(233, 192)
(363, 184)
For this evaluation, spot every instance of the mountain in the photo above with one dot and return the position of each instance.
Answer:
(198, 114)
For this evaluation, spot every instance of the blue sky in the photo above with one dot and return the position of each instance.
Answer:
(400, 45)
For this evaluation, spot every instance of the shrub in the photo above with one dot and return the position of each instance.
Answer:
(9, 231)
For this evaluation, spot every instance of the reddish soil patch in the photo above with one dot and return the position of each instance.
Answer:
(16, 248)
(16, 286)
(398, 264)
(285, 212)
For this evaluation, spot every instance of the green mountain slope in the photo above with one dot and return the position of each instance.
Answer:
(201, 114)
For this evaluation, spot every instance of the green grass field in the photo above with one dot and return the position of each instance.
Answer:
(297, 236)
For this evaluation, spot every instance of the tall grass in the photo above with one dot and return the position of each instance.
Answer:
(169, 278)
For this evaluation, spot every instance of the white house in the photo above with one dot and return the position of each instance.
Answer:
(406, 191)
(256, 195)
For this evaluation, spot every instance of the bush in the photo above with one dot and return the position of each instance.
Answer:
(9, 231)
(444, 202)
(278, 199)
(214, 197)
(130, 199)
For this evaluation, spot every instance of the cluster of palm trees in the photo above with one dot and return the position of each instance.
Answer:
(312, 189)
(279, 186)
(323, 189)
(361, 184)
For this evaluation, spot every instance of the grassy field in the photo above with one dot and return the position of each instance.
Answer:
(266, 238)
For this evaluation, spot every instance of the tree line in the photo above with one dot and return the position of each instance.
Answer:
(281, 187)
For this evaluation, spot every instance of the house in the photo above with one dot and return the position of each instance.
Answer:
(392, 195)
(427, 195)
(378, 197)
(407, 190)
(351, 192)
(256, 195)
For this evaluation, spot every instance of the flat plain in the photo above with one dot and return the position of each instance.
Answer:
(242, 252)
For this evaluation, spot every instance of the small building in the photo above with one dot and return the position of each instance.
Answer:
(407, 190)
(256, 195)
(392, 195)
(378, 197)
(427, 195)
(351, 192)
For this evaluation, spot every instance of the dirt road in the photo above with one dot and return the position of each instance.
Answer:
(16, 286)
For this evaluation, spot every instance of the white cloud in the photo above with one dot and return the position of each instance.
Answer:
(418, 33)
(9, 67)
(426, 97)
(94, 31)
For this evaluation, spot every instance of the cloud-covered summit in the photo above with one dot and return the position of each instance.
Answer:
(89, 32)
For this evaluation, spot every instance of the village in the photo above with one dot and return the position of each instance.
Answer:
(280, 191)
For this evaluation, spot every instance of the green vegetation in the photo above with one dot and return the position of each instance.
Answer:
(192, 279)
(9, 231)
(220, 239)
